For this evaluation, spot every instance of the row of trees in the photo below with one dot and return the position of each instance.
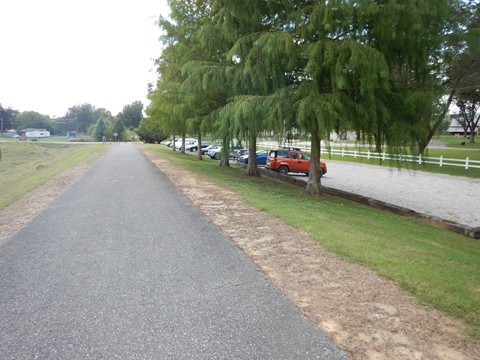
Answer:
(388, 70)
(84, 119)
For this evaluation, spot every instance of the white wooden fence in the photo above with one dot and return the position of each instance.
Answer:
(466, 163)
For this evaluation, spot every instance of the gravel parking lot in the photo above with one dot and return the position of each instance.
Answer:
(447, 197)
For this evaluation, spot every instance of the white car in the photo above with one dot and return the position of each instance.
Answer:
(215, 152)
(209, 147)
(190, 144)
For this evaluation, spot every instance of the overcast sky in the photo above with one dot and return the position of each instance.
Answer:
(58, 53)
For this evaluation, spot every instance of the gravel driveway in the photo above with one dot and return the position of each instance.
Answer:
(447, 197)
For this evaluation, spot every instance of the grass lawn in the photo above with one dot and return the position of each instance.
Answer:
(456, 142)
(441, 268)
(26, 165)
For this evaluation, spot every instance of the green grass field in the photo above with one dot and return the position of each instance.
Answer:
(26, 165)
(456, 142)
(439, 267)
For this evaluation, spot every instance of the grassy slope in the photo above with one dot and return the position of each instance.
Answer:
(18, 168)
(441, 268)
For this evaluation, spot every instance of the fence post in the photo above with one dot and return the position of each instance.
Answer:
(355, 154)
(383, 157)
(368, 154)
(466, 162)
(419, 159)
(441, 160)
(343, 152)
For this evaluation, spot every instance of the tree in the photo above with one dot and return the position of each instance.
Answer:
(32, 119)
(468, 102)
(257, 65)
(150, 131)
(422, 77)
(132, 114)
(100, 129)
(119, 129)
(7, 118)
(80, 117)
(466, 71)
(375, 67)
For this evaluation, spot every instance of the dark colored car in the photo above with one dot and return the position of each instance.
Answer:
(261, 158)
(285, 161)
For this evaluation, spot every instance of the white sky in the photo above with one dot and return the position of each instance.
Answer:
(55, 54)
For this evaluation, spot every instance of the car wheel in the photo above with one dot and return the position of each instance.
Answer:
(217, 156)
(283, 170)
(194, 149)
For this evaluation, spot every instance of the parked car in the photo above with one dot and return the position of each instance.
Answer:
(203, 147)
(236, 152)
(285, 161)
(190, 144)
(261, 157)
(209, 147)
(215, 152)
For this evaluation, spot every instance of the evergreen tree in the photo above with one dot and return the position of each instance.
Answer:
(100, 129)
(132, 114)
(237, 68)
(119, 129)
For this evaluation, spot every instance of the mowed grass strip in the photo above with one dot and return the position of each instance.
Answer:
(25, 166)
(441, 268)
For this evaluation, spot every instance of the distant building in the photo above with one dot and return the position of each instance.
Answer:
(456, 128)
(35, 133)
(10, 133)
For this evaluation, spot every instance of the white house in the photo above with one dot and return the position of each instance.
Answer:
(35, 133)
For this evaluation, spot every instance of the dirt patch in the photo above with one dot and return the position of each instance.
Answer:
(369, 317)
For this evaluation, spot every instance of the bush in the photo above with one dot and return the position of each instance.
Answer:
(149, 131)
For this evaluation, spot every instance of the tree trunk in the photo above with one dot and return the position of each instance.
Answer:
(252, 168)
(199, 148)
(378, 141)
(182, 150)
(173, 147)
(431, 130)
(224, 160)
(422, 145)
(313, 185)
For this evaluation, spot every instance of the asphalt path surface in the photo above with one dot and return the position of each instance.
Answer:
(122, 265)
(447, 197)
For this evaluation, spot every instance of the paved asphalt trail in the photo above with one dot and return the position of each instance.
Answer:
(122, 266)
